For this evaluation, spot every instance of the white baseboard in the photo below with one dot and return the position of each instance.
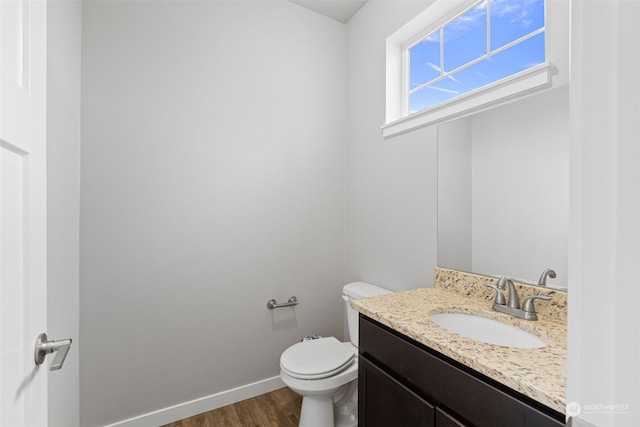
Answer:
(203, 404)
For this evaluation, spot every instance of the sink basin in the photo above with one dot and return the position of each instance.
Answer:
(487, 330)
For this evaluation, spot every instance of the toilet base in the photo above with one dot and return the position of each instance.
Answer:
(345, 407)
(317, 411)
(320, 412)
(339, 410)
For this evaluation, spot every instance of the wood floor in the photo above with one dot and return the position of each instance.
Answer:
(280, 408)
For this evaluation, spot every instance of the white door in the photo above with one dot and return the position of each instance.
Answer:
(23, 288)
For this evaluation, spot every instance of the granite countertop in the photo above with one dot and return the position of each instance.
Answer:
(539, 373)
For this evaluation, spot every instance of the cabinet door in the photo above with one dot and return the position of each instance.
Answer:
(445, 420)
(384, 402)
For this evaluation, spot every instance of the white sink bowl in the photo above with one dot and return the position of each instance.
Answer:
(487, 330)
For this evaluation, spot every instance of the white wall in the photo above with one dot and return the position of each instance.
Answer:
(391, 184)
(604, 245)
(521, 187)
(503, 189)
(63, 203)
(455, 215)
(212, 181)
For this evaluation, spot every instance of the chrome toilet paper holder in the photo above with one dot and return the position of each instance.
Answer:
(272, 303)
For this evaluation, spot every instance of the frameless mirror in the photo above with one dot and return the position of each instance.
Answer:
(503, 190)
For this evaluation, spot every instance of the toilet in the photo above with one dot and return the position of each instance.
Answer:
(325, 371)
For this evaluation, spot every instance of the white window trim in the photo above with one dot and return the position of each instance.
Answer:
(550, 74)
(500, 92)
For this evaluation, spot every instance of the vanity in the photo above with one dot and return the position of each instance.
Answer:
(413, 372)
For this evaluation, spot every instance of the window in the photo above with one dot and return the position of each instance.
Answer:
(463, 56)
(488, 42)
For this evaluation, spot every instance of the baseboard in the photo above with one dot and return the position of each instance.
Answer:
(204, 404)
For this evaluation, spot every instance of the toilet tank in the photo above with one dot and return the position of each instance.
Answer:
(353, 291)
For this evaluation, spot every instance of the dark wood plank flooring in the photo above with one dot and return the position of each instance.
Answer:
(280, 408)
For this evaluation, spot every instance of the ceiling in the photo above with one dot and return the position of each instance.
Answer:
(340, 10)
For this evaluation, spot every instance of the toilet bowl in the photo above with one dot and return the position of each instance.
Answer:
(325, 371)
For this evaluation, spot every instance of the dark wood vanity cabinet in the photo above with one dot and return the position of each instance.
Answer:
(404, 383)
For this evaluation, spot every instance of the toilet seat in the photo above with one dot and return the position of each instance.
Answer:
(316, 359)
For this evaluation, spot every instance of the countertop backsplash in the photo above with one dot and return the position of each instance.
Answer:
(472, 285)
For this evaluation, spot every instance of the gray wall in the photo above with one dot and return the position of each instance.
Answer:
(63, 203)
(213, 166)
(391, 184)
(521, 187)
(455, 193)
(504, 201)
(604, 234)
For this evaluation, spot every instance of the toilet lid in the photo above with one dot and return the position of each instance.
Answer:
(316, 358)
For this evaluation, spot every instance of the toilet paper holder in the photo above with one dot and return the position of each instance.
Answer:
(271, 304)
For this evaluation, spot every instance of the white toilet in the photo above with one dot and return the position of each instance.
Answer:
(325, 371)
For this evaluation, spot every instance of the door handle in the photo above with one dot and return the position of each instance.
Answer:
(44, 347)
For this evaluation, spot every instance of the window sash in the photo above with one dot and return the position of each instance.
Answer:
(489, 54)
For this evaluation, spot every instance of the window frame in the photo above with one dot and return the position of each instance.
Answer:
(552, 73)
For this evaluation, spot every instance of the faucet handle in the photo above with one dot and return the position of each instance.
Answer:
(499, 295)
(529, 308)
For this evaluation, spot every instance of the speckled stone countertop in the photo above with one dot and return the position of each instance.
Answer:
(538, 373)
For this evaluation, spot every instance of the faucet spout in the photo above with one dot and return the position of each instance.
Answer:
(512, 307)
(543, 277)
(514, 300)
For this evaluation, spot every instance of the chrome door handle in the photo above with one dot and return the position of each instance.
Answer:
(44, 347)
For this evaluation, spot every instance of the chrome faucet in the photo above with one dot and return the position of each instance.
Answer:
(543, 278)
(512, 305)
(514, 300)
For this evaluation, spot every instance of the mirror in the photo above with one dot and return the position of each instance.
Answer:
(503, 190)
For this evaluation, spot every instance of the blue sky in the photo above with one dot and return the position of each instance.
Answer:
(465, 39)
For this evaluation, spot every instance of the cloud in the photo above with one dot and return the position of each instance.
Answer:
(443, 89)
(464, 23)
(502, 8)
(433, 66)
(516, 11)
(439, 70)
(433, 37)
(530, 64)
